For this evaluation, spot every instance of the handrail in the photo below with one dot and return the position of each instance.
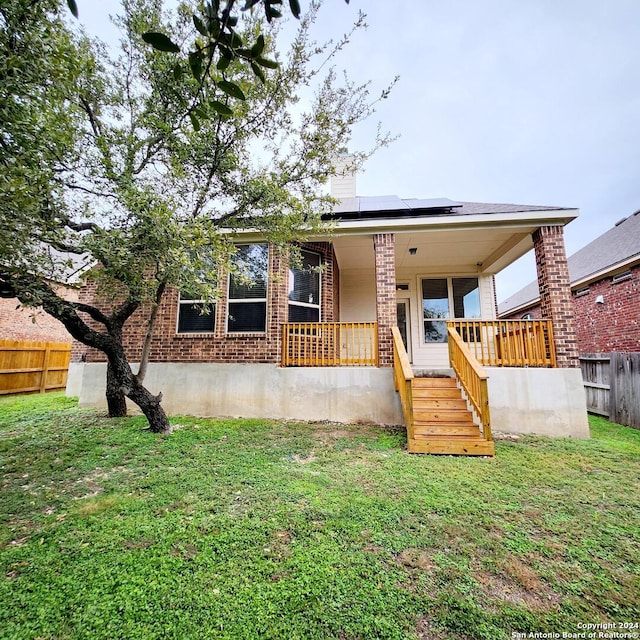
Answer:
(508, 343)
(402, 377)
(473, 379)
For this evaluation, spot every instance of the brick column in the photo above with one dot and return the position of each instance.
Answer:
(386, 310)
(555, 292)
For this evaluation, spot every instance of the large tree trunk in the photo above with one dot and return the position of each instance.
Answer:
(119, 374)
(136, 392)
(150, 406)
(116, 402)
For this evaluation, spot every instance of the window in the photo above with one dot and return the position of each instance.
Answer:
(442, 295)
(435, 305)
(304, 289)
(248, 289)
(527, 316)
(582, 292)
(195, 315)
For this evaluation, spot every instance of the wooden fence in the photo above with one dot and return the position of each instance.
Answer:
(33, 366)
(612, 386)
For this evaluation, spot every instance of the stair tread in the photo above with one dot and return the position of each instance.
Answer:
(426, 383)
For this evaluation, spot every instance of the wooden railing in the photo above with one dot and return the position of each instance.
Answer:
(508, 343)
(402, 377)
(330, 344)
(33, 366)
(472, 377)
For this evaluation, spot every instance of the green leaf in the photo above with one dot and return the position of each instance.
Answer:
(177, 71)
(199, 25)
(270, 64)
(258, 47)
(223, 63)
(295, 8)
(195, 64)
(249, 3)
(273, 13)
(221, 108)
(194, 121)
(73, 7)
(160, 42)
(231, 89)
(258, 71)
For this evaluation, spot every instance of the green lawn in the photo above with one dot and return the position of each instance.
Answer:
(260, 529)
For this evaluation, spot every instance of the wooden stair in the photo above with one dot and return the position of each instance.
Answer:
(442, 422)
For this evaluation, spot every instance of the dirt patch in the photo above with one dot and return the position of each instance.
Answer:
(414, 558)
(524, 589)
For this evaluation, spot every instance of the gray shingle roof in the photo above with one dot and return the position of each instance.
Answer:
(620, 244)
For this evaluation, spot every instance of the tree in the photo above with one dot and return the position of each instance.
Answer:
(156, 158)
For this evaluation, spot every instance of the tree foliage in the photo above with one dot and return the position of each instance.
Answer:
(145, 162)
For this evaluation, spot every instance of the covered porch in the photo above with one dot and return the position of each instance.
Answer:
(421, 300)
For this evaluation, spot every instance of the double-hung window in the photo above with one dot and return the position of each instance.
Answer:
(304, 289)
(195, 315)
(444, 298)
(247, 300)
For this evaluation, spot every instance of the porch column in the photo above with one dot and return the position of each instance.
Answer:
(386, 310)
(555, 292)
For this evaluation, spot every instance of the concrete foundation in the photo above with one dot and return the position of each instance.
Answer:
(548, 402)
(337, 394)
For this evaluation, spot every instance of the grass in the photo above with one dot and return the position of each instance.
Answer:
(261, 529)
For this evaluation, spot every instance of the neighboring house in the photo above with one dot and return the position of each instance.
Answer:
(29, 324)
(605, 287)
(323, 345)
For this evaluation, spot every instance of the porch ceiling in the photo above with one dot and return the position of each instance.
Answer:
(446, 251)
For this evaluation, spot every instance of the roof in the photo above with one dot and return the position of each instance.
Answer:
(368, 207)
(613, 248)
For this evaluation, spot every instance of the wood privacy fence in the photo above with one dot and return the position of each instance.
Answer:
(33, 366)
(612, 386)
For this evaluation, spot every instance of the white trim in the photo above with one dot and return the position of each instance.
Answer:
(246, 300)
(182, 300)
(309, 305)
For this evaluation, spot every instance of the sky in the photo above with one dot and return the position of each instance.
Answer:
(513, 101)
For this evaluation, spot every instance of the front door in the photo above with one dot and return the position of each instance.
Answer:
(404, 325)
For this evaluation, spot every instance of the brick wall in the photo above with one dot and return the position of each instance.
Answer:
(613, 325)
(555, 292)
(386, 309)
(168, 346)
(32, 324)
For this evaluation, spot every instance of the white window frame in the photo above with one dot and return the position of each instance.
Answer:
(449, 280)
(184, 301)
(310, 305)
(249, 300)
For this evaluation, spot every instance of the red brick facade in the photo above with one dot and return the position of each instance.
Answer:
(555, 292)
(32, 324)
(386, 309)
(220, 346)
(610, 325)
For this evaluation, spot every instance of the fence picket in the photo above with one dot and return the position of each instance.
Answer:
(33, 366)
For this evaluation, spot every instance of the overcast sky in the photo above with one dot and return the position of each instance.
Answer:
(516, 101)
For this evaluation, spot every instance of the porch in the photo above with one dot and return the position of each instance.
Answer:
(443, 414)
(496, 343)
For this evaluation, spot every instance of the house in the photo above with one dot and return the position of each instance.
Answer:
(605, 287)
(26, 324)
(399, 326)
